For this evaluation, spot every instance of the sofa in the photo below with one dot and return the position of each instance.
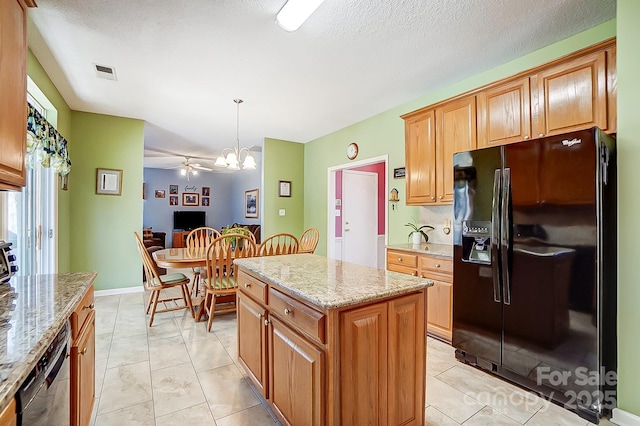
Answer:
(150, 238)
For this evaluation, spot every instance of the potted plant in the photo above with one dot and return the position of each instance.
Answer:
(417, 232)
(238, 230)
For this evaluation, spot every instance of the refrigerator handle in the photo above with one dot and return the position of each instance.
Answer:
(495, 233)
(504, 234)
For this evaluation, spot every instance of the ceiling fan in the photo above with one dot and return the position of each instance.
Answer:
(188, 168)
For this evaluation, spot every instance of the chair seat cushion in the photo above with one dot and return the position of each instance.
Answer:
(170, 279)
(222, 284)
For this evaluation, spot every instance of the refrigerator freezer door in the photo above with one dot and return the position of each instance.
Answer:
(477, 316)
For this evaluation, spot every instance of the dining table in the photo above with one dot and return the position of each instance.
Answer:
(178, 258)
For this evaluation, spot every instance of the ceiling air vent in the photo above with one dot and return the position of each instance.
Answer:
(106, 72)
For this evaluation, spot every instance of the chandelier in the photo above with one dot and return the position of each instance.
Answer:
(230, 157)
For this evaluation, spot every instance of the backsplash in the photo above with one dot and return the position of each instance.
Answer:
(436, 216)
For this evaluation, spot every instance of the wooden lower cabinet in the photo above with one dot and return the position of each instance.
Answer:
(440, 296)
(351, 366)
(296, 385)
(83, 360)
(8, 417)
(179, 239)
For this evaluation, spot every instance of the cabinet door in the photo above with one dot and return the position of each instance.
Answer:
(455, 132)
(252, 341)
(407, 346)
(420, 149)
(83, 359)
(440, 309)
(573, 95)
(363, 379)
(297, 377)
(504, 114)
(13, 87)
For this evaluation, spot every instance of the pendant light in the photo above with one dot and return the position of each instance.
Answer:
(231, 157)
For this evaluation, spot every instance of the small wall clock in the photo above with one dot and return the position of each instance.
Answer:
(352, 151)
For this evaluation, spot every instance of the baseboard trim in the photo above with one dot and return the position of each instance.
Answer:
(124, 290)
(624, 418)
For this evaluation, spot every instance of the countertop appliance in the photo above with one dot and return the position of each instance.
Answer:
(534, 293)
(44, 398)
(7, 268)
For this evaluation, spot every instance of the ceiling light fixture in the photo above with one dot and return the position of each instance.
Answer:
(232, 159)
(295, 12)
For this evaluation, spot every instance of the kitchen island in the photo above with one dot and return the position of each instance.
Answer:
(33, 310)
(330, 342)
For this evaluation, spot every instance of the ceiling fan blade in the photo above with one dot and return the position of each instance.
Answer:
(199, 167)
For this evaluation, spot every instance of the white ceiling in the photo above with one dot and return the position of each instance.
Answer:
(180, 63)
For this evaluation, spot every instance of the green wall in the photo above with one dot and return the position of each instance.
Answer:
(40, 77)
(282, 160)
(103, 225)
(384, 134)
(628, 63)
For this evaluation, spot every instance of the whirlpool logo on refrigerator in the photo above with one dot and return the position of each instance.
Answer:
(571, 142)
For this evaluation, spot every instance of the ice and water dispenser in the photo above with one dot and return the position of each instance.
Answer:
(476, 241)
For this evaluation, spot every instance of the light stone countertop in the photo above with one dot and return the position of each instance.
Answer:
(329, 283)
(43, 305)
(439, 250)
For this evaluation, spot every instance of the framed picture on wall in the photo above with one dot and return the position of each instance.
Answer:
(205, 191)
(159, 193)
(284, 190)
(108, 182)
(205, 201)
(173, 189)
(251, 203)
(173, 200)
(190, 199)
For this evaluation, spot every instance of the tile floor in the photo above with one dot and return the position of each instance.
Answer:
(176, 373)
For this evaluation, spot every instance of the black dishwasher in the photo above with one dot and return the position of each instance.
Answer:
(44, 397)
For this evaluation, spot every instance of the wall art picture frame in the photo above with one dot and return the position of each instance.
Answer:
(251, 203)
(284, 188)
(159, 193)
(206, 191)
(108, 181)
(205, 201)
(173, 189)
(399, 173)
(173, 200)
(190, 199)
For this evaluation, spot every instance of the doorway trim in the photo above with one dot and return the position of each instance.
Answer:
(331, 195)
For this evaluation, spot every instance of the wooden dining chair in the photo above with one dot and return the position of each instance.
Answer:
(277, 244)
(309, 240)
(222, 282)
(156, 283)
(200, 238)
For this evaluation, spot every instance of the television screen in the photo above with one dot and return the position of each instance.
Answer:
(188, 220)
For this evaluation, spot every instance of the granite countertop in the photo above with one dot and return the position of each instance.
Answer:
(439, 250)
(329, 283)
(43, 304)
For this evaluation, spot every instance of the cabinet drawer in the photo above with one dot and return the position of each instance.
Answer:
(252, 286)
(402, 269)
(297, 314)
(80, 314)
(436, 264)
(402, 258)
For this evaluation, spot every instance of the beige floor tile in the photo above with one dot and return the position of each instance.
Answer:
(103, 344)
(132, 299)
(101, 368)
(503, 397)
(196, 415)
(130, 324)
(163, 326)
(433, 417)
(125, 386)
(553, 415)
(441, 349)
(128, 350)
(106, 302)
(451, 401)
(192, 330)
(105, 321)
(94, 412)
(175, 388)
(135, 415)
(223, 321)
(227, 391)
(167, 352)
(207, 354)
(437, 364)
(254, 416)
(488, 416)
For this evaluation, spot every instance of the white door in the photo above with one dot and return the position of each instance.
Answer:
(360, 217)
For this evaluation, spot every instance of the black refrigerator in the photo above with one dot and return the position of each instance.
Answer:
(534, 279)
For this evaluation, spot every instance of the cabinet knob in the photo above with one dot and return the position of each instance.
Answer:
(247, 285)
(266, 322)
(437, 265)
(399, 259)
(440, 197)
(90, 306)
(433, 198)
(526, 137)
(260, 316)
(541, 135)
(84, 351)
(414, 273)
(287, 311)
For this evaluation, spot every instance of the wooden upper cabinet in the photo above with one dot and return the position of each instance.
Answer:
(573, 95)
(420, 156)
(504, 114)
(13, 87)
(455, 132)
